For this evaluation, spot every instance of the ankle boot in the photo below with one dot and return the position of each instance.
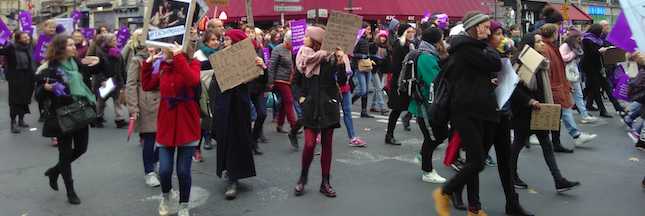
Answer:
(14, 128)
(389, 139)
(21, 123)
(293, 135)
(406, 121)
(52, 174)
(326, 189)
(457, 201)
(72, 198)
(513, 207)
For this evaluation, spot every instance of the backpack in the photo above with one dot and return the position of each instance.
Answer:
(440, 107)
(409, 83)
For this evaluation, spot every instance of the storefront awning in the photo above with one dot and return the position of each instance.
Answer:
(575, 14)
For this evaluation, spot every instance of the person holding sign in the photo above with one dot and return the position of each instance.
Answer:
(321, 103)
(20, 76)
(176, 76)
(539, 90)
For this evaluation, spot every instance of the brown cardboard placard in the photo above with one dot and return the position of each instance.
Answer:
(614, 56)
(341, 31)
(218, 2)
(547, 118)
(524, 72)
(235, 65)
(167, 22)
(531, 58)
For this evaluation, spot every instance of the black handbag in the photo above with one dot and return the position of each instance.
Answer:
(75, 116)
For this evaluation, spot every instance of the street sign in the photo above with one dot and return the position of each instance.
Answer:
(287, 8)
(287, 1)
(311, 14)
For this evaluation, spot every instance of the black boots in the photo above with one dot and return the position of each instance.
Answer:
(457, 201)
(562, 185)
(52, 174)
(513, 208)
(326, 189)
(72, 198)
(14, 128)
(406, 121)
(389, 139)
(293, 135)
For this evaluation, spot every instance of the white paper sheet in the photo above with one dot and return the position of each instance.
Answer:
(107, 89)
(507, 79)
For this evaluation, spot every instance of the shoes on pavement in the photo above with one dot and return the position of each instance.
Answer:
(583, 138)
(72, 198)
(54, 141)
(357, 142)
(634, 135)
(293, 140)
(478, 213)
(605, 115)
(562, 185)
(588, 120)
(640, 145)
(327, 190)
(231, 190)
(183, 209)
(389, 139)
(197, 157)
(52, 174)
(441, 202)
(208, 144)
(519, 184)
(458, 202)
(515, 209)
(121, 123)
(489, 161)
(366, 115)
(432, 177)
(15, 129)
(557, 147)
(163, 204)
(280, 130)
(152, 180)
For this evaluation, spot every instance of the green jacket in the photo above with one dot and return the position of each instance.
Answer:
(427, 70)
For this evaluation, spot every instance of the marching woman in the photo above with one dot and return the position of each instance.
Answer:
(232, 126)
(20, 75)
(401, 41)
(143, 106)
(320, 101)
(104, 47)
(176, 77)
(64, 81)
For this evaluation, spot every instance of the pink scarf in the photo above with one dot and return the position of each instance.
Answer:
(308, 61)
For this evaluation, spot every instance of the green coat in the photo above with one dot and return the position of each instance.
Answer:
(427, 69)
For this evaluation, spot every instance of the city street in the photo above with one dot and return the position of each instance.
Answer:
(380, 180)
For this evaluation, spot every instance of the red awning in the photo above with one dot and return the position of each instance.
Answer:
(371, 9)
(575, 13)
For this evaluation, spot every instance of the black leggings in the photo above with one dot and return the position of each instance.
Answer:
(521, 139)
(259, 103)
(391, 121)
(428, 146)
(70, 147)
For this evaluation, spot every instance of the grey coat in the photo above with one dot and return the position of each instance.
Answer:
(281, 64)
(145, 103)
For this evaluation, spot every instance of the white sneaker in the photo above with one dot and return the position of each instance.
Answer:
(584, 138)
(533, 140)
(588, 120)
(183, 210)
(163, 205)
(432, 177)
(152, 180)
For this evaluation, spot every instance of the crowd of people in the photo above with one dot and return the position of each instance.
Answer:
(444, 77)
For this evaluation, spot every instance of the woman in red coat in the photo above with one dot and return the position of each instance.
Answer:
(178, 127)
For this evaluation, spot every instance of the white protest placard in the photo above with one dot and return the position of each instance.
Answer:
(341, 31)
(634, 11)
(507, 80)
(168, 22)
(235, 65)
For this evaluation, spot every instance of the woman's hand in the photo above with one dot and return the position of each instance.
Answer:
(48, 87)
(176, 49)
(535, 105)
(90, 60)
(260, 63)
(154, 56)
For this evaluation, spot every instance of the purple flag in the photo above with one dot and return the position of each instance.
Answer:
(298, 29)
(5, 33)
(88, 33)
(122, 37)
(621, 84)
(442, 21)
(426, 16)
(26, 22)
(76, 16)
(41, 47)
(267, 56)
(359, 34)
(621, 35)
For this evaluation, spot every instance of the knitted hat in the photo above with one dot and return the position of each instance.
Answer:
(432, 35)
(494, 25)
(475, 20)
(236, 35)
(315, 33)
(382, 33)
(402, 28)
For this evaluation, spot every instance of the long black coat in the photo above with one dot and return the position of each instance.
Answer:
(232, 130)
(322, 97)
(21, 82)
(397, 101)
(591, 62)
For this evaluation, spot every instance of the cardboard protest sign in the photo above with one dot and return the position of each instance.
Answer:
(217, 2)
(531, 58)
(634, 11)
(547, 118)
(524, 72)
(168, 22)
(298, 29)
(26, 22)
(5, 33)
(341, 31)
(235, 65)
(614, 56)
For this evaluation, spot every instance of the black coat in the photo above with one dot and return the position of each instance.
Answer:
(21, 82)
(591, 62)
(322, 97)
(109, 67)
(469, 69)
(232, 130)
(51, 102)
(397, 101)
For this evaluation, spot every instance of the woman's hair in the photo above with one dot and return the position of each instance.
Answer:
(57, 49)
(207, 37)
(18, 34)
(572, 40)
(551, 15)
(548, 30)
(100, 43)
(595, 29)
(49, 22)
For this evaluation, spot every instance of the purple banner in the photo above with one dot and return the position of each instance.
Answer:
(41, 47)
(5, 33)
(442, 21)
(26, 22)
(298, 29)
(88, 33)
(621, 84)
(426, 16)
(76, 16)
(122, 37)
(267, 56)
(621, 35)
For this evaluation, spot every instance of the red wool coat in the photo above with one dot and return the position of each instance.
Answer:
(178, 117)
(560, 86)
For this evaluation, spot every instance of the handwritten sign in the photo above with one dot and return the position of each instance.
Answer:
(217, 2)
(235, 65)
(5, 33)
(26, 22)
(341, 31)
(298, 29)
(547, 118)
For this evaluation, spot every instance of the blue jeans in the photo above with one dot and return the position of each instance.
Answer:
(570, 122)
(362, 79)
(184, 162)
(634, 111)
(150, 152)
(377, 100)
(347, 114)
(578, 98)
